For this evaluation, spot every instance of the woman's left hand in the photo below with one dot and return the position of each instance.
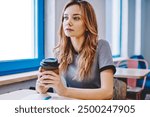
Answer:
(51, 79)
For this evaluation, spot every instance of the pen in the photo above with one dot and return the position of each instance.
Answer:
(47, 98)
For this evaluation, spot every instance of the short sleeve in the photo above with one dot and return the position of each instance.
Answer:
(105, 60)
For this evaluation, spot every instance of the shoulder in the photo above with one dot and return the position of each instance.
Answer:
(102, 42)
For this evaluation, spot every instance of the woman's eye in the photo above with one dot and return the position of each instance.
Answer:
(76, 18)
(65, 18)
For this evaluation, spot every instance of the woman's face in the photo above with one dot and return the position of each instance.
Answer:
(73, 24)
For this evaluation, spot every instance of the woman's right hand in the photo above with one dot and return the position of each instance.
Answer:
(40, 87)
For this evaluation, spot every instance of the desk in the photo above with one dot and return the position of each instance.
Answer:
(131, 73)
(27, 94)
(123, 74)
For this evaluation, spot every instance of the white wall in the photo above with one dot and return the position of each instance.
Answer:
(49, 27)
(146, 29)
(99, 7)
(144, 39)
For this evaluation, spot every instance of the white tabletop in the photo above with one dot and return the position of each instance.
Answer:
(27, 94)
(131, 73)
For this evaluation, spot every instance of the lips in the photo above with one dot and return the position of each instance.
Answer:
(69, 29)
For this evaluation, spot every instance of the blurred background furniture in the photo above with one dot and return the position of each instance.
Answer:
(120, 90)
(132, 87)
(139, 82)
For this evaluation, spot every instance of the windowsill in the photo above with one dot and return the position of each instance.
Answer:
(9, 79)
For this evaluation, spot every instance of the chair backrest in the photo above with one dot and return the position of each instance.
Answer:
(133, 63)
(141, 64)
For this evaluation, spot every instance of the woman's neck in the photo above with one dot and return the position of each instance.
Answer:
(77, 43)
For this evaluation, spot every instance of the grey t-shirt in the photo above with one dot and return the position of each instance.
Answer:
(103, 60)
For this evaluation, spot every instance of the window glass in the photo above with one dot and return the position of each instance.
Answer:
(16, 29)
(116, 27)
(21, 35)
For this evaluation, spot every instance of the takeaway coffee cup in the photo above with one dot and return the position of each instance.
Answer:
(50, 64)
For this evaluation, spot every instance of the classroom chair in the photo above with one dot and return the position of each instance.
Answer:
(120, 90)
(132, 87)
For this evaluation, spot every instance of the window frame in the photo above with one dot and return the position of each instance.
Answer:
(24, 65)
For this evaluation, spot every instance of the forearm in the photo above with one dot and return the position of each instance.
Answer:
(103, 93)
(89, 94)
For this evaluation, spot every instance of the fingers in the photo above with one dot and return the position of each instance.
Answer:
(49, 73)
(44, 83)
(40, 69)
(39, 75)
(39, 83)
(47, 82)
(49, 77)
(49, 85)
(46, 79)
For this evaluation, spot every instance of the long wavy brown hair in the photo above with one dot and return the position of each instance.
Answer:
(64, 51)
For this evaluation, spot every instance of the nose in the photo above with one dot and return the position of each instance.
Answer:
(69, 22)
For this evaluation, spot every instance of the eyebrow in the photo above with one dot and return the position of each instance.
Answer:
(73, 14)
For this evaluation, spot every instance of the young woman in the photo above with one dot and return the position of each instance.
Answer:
(85, 62)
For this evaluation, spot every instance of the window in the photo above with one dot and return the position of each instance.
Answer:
(22, 35)
(113, 25)
(137, 49)
(116, 28)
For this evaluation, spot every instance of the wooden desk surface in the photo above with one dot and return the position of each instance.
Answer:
(27, 94)
(131, 73)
